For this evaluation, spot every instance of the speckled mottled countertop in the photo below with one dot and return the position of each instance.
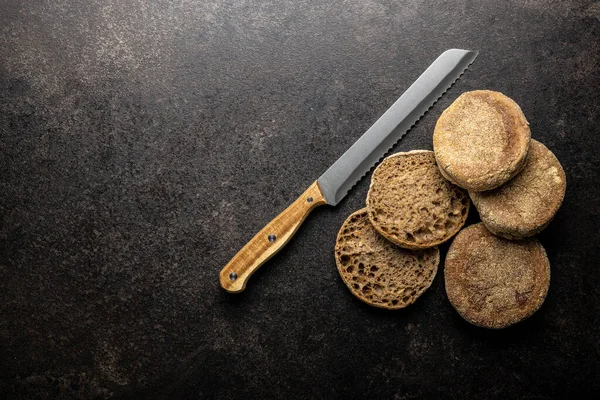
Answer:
(142, 143)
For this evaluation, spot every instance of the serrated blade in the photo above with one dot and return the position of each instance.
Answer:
(393, 124)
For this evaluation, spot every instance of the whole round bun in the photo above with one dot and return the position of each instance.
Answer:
(494, 282)
(378, 272)
(526, 204)
(412, 205)
(481, 140)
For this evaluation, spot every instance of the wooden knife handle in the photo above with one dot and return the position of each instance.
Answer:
(266, 243)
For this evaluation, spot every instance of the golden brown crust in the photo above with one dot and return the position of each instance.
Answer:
(493, 282)
(526, 204)
(481, 140)
(411, 204)
(378, 272)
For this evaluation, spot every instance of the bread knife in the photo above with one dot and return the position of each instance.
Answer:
(336, 182)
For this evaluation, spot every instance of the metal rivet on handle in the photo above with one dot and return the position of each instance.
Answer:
(233, 276)
(272, 238)
(310, 200)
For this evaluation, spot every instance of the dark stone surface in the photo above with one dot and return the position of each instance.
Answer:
(142, 143)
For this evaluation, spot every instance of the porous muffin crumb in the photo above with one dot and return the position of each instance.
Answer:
(378, 272)
(411, 204)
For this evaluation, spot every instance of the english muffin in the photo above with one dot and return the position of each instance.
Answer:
(493, 282)
(411, 204)
(378, 272)
(527, 203)
(481, 140)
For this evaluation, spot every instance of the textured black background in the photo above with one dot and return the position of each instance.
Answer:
(142, 143)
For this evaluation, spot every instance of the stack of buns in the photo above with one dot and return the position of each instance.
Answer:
(496, 272)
